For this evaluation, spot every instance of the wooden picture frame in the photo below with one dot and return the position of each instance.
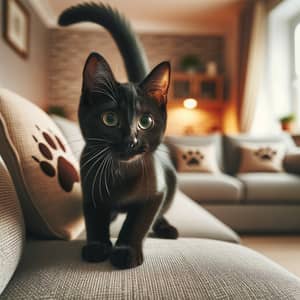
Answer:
(16, 26)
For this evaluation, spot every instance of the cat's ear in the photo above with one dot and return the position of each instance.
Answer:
(95, 69)
(156, 84)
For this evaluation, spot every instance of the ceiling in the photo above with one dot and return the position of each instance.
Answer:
(155, 15)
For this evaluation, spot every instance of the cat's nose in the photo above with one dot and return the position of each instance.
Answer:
(132, 142)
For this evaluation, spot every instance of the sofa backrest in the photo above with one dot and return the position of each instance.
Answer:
(231, 144)
(213, 139)
(12, 229)
(72, 133)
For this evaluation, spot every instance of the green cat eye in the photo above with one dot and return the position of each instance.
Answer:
(110, 119)
(145, 122)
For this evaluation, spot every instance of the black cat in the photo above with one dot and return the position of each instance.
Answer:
(124, 166)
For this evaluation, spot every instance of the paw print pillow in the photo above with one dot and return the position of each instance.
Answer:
(262, 158)
(43, 168)
(197, 159)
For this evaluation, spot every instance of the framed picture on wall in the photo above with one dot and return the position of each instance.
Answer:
(16, 26)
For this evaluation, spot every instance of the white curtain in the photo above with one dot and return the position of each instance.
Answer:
(253, 66)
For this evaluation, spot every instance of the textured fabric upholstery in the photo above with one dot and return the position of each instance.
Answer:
(181, 269)
(271, 187)
(11, 228)
(232, 151)
(210, 187)
(190, 219)
(214, 139)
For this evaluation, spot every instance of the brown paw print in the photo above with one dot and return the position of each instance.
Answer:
(66, 173)
(265, 153)
(193, 158)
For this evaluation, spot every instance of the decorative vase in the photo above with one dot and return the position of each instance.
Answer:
(287, 126)
(211, 68)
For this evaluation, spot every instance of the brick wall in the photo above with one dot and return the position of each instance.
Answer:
(68, 50)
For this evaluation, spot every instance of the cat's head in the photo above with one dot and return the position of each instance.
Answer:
(128, 118)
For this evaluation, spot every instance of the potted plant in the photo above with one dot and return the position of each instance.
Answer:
(287, 122)
(190, 63)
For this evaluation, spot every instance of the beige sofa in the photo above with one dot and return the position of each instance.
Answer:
(187, 268)
(248, 202)
(196, 266)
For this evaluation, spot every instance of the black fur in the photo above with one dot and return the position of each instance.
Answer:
(124, 166)
(131, 49)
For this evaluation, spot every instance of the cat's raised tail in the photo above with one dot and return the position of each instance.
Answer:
(118, 26)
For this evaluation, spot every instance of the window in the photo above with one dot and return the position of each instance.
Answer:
(296, 72)
(297, 50)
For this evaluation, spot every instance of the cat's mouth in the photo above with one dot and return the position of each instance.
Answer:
(130, 157)
(127, 154)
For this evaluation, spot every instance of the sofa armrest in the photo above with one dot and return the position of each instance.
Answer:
(292, 161)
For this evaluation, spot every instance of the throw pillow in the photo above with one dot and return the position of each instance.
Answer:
(261, 158)
(42, 167)
(197, 159)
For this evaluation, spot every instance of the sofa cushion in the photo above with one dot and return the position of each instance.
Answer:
(271, 187)
(232, 143)
(12, 228)
(214, 139)
(262, 158)
(210, 187)
(43, 169)
(190, 219)
(173, 269)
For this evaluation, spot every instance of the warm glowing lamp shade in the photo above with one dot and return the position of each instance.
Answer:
(190, 103)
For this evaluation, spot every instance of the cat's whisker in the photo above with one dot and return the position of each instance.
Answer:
(92, 166)
(106, 166)
(92, 149)
(96, 155)
(94, 181)
(110, 174)
(101, 177)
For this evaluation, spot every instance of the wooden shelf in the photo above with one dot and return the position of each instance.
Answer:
(208, 90)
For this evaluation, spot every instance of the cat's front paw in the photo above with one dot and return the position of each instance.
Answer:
(96, 251)
(125, 257)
